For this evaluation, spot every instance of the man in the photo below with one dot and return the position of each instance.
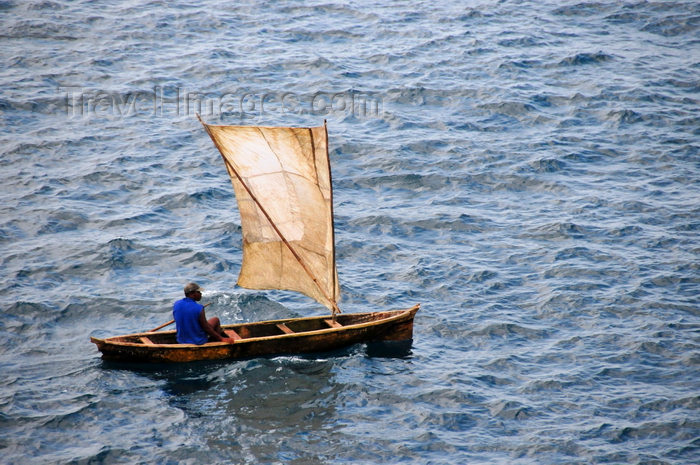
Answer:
(191, 321)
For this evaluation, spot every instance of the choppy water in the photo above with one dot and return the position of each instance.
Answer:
(528, 171)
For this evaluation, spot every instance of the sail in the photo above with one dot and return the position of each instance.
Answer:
(282, 181)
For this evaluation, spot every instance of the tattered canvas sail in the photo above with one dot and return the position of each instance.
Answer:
(282, 181)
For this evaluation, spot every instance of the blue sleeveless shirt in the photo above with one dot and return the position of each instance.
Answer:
(186, 314)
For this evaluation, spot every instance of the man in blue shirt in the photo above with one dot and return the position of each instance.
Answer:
(191, 321)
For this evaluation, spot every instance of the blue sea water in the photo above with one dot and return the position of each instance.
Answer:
(527, 171)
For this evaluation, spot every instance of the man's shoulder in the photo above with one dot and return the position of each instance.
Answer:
(187, 303)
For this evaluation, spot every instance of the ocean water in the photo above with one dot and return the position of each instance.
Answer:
(527, 171)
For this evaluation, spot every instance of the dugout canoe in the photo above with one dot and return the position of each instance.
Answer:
(264, 338)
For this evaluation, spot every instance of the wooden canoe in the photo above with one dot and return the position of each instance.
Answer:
(273, 337)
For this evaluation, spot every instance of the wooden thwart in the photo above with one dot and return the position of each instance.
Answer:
(333, 324)
(146, 341)
(285, 329)
(232, 334)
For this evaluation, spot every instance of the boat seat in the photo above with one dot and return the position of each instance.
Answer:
(232, 334)
(333, 324)
(284, 328)
(146, 341)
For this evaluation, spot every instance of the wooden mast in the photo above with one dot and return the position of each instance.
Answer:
(330, 185)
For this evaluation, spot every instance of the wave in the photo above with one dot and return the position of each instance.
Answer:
(581, 59)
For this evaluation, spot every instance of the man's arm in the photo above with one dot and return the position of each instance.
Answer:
(204, 323)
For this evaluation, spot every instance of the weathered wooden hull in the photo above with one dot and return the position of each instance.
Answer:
(274, 337)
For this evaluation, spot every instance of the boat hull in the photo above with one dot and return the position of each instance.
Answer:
(274, 337)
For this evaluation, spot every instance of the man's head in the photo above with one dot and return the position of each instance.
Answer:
(193, 291)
